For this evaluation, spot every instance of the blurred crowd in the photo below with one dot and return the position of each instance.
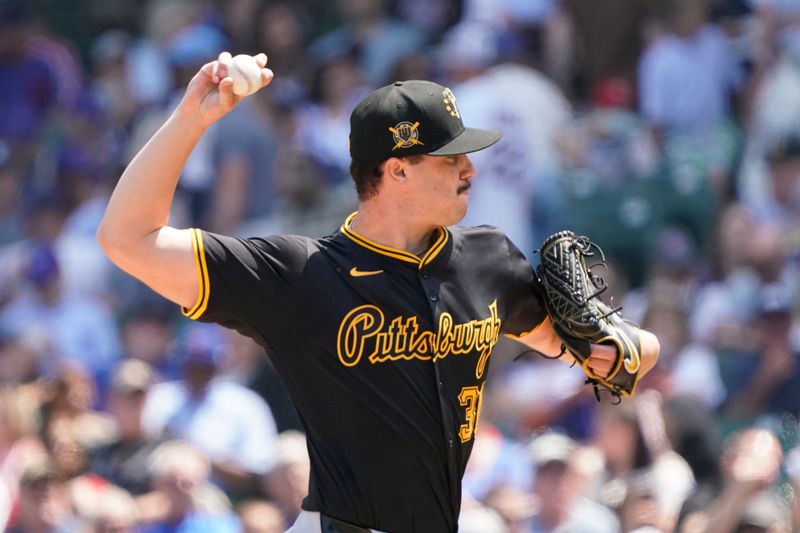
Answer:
(668, 131)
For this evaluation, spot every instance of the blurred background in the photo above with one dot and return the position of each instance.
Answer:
(666, 130)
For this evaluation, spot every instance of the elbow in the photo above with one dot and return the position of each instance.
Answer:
(102, 237)
(105, 238)
(111, 241)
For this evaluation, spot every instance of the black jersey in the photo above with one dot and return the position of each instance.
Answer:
(384, 353)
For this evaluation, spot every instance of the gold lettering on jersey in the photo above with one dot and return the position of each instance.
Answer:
(362, 323)
(362, 335)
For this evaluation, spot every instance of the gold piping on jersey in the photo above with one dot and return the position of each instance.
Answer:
(204, 287)
(396, 253)
(437, 247)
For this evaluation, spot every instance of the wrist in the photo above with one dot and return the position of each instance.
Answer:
(190, 122)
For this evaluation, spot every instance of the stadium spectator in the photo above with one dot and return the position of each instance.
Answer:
(515, 506)
(114, 511)
(250, 366)
(243, 155)
(227, 422)
(286, 483)
(29, 86)
(183, 499)
(692, 119)
(283, 29)
(70, 425)
(761, 375)
(44, 505)
(148, 334)
(519, 174)
(688, 368)
(692, 433)
(609, 170)
(192, 46)
(260, 516)
(780, 202)
(325, 119)
(124, 460)
(607, 39)
(561, 506)
(496, 460)
(23, 355)
(369, 28)
(81, 329)
(18, 446)
(694, 52)
(750, 465)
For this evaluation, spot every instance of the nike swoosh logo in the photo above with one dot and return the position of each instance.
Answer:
(356, 273)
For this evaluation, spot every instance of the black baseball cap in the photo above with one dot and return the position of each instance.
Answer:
(411, 118)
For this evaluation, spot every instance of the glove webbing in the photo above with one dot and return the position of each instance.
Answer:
(584, 247)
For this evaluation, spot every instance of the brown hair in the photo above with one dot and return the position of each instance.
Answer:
(367, 174)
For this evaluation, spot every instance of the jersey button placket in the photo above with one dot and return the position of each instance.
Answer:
(433, 296)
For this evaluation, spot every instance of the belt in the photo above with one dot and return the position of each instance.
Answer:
(332, 525)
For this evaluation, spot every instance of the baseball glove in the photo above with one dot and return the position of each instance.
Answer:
(580, 318)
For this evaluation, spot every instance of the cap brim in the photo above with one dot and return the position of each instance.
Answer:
(469, 140)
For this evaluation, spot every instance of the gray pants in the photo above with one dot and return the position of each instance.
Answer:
(308, 522)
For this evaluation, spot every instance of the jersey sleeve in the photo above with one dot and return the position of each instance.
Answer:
(525, 304)
(247, 284)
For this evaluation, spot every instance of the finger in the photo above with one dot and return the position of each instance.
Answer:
(603, 351)
(261, 59)
(599, 372)
(209, 68)
(600, 367)
(226, 96)
(266, 76)
(223, 66)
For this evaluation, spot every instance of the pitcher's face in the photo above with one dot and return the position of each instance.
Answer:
(441, 187)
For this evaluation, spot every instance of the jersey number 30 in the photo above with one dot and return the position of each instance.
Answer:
(470, 399)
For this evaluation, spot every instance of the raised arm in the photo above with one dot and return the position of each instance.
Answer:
(134, 232)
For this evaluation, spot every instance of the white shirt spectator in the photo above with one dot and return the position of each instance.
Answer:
(504, 13)
(80, 328)
(585, 516)
(776, 115)
(228, 423)
(84, 267)
(695, 372)
(529, 110)
(322, 135)
(684, 82)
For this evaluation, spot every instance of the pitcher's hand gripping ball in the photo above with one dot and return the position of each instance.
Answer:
(579, 317)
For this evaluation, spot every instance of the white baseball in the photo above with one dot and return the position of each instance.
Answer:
(246, 74)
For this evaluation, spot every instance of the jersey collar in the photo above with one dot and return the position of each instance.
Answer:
(443, 235)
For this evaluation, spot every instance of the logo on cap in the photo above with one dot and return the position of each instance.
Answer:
(450, 103)
(405, 135)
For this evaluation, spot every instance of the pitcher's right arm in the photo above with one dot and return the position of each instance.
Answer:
(134, 232)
